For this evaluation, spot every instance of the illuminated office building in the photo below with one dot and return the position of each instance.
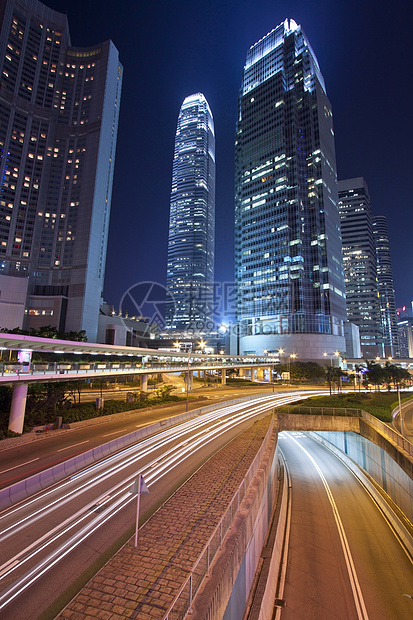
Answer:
(191, 241)
(388, 313)
(59, 108)
(360, 269)
(289, 273)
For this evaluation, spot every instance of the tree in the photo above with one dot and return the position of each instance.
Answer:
(375, 374)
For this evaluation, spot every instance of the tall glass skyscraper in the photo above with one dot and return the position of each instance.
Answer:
(191, 242)
(360, 268)
(289, 274)
(388, 313)
(59, 110)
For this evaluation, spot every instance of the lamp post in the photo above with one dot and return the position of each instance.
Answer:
(400, 410)
(292, 357)
(336, 353)
(187, 377)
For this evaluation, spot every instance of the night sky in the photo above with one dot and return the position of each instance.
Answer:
(173, 48)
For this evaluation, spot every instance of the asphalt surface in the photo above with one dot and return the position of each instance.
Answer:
(344, 561)
(27, 455)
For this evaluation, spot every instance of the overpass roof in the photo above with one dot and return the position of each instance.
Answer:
(53, 345)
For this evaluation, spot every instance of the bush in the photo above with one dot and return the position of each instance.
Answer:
(379, 404)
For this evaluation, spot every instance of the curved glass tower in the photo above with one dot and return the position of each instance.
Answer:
(191, 241)
(289, 274)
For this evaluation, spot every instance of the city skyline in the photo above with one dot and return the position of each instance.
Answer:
(366, 134)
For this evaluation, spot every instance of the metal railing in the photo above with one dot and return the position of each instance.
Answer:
(334, 411)
(390, 433)
(183, 601)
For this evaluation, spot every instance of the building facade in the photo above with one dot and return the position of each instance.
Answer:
(388, 313)
(59, 109)
(360, 267)
(288, 257)
(405, 327)
(191, 243)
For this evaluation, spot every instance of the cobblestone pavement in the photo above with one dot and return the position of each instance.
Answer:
(143, 582)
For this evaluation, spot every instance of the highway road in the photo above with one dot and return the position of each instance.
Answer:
(407, 431)
(344, 560)
(20, 460)
(52, 542)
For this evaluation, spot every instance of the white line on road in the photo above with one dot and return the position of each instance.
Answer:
(73, 445)
(355, 585)
(115, 432)
(21, 465)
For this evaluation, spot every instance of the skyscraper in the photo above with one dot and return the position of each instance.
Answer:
(360, 270)
(388, 314)
(191, 241)
(59, 109)
(289, 274)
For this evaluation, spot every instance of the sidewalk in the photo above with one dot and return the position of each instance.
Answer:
(143, 582)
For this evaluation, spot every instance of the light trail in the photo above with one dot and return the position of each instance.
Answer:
(190, 435)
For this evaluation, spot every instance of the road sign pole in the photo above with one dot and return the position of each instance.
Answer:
(137, 509)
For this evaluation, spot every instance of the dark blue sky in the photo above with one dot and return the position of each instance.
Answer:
(171, 49)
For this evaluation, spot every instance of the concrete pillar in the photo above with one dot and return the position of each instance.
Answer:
(252, 374)
(144, 383)
(223, 376)
(18, 408)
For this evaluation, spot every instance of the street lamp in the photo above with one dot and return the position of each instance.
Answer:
(292, 356)
(187, 377)
(336, 353)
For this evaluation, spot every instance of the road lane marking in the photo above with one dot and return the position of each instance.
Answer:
(115, 432)
(21, 465)
(73, 445)
(355, 584)
(8, 566)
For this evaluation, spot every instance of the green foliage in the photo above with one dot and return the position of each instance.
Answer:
(302, 371)
(389, 374)
(379, 404)
(88, 410)
(47, 331)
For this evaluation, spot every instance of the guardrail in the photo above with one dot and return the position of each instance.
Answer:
(335, 411)
(388, 432)
(182, 603)
(17, 371)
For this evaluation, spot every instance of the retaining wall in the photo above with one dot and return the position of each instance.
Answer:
(376, 461)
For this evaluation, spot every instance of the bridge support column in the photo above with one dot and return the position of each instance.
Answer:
(144, 383)
(223, 376)
(18, 408)
(252, 374)
(273, 375)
